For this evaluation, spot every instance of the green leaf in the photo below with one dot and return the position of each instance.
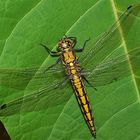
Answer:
(9, 17)
(116, 106)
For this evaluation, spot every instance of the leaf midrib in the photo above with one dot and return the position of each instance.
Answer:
(126, 50)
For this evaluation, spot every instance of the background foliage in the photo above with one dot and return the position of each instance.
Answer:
(24, 25)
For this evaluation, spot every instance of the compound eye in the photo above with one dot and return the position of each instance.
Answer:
(59, 44)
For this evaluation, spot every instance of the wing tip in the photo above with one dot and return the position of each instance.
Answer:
(133, 6)
(3, 106)
(130, 6)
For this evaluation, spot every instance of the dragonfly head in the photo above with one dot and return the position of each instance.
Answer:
(65, 43)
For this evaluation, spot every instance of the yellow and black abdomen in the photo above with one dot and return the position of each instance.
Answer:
(83, 103)
(73, 71)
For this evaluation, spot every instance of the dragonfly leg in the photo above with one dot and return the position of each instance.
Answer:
(58, 61)
(88, 82)
(52, 53)
(74, 39)
(82, 49)
(64, 82)
(71, 37)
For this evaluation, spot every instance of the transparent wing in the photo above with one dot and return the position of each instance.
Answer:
(114, 69)
(110, 40)
(20, 77)
(38, 100)
(51, 90)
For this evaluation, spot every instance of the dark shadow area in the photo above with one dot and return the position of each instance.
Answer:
(3, 133)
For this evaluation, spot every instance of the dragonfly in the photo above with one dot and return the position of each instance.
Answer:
(95, 67)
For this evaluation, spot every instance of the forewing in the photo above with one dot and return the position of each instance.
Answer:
(19, 78)
(110, 40)
(114, 69)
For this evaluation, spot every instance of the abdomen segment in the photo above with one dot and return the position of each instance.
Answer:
(83, 103)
